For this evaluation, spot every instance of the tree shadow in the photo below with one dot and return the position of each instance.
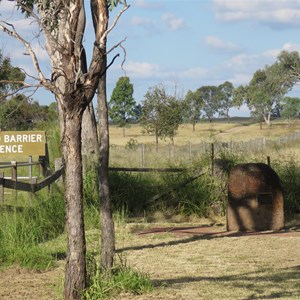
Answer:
(197, 236)
(269, 281)
(163, 244)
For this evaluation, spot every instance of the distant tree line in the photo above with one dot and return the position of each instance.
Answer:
(18, 112)
(160, 113)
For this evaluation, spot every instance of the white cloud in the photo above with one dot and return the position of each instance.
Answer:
(172, 21)
(241, 67)
(149, 25)
(291, 47)
(193, 73)
(218, 44)
(276, 14)
(143, 22)
(143, 70)
(148, 5)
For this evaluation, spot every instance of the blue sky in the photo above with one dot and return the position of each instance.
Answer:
(183, 44)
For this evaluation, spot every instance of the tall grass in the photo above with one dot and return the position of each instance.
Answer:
(205, 196)
(23, 228)
(121, 279)
(138, 193)
(289, 172)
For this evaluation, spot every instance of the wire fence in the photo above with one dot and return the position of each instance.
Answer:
(149, 155)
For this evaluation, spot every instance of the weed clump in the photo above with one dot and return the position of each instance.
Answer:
(121, 279)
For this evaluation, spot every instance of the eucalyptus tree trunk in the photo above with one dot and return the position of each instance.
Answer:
(107, 223)
(75, 86)
(75, 272)
(89, 138)
(106, 218)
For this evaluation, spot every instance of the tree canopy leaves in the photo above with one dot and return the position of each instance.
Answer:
(265, 91)
(122, 103)
(11, 77)
(161, 113)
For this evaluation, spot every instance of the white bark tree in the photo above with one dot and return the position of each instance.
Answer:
(74, 83)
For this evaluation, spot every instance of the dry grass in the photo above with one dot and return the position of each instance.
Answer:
(186, 267)
(189, 267)
(189, 145)
(247, 267)
(206, 132)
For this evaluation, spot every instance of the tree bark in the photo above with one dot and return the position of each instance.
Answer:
(89, 138)
(74, 86)
(75, 272)
(107, 223)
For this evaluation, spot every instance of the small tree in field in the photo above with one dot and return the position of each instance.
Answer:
(290, 108)
(122, 103)
(161, 113)
(210, 96)
(192, 107)
(225, 100)
(265, 90)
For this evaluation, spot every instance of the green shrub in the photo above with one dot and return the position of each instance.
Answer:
(153, 191)
(91, 187)
(121, 279)
(131, 144)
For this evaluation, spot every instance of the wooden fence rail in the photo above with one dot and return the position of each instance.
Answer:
(28, 186)
(175, 170)
(32, 186)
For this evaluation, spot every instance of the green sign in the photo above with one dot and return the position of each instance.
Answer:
(27, 143)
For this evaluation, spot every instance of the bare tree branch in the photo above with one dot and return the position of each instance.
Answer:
(114, 23)
(12, 32)
(124, 58)
(116, 46)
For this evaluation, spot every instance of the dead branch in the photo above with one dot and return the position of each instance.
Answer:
(109, 64)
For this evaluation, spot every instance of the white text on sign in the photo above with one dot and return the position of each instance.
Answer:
(24, 143)
(11, 149)
(23, 138)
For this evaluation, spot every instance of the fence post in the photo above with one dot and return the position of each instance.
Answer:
(32, 181)
(30, 166)
(58, 163)
(1, 188)
(212, 157)
(14, 175)
(143, 155)
(269, 161)
(43, 166)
